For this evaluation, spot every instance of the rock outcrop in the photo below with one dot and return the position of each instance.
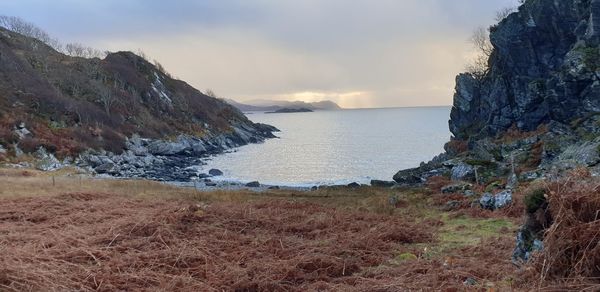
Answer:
(545, 67)
(534, 114)
(537, 109)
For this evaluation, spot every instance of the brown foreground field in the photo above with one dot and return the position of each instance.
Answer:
(71, 233)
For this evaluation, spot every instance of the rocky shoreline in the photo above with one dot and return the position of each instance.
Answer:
(177, 160)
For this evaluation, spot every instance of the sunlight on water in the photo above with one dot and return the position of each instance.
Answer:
(331, 147)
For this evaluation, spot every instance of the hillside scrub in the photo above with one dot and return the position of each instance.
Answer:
(76, 233)
(71, 104)
(571, 255)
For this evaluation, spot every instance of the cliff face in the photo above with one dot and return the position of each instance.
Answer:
(545, 68)
(69, 105)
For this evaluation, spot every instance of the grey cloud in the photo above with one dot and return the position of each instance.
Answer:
(394, 52)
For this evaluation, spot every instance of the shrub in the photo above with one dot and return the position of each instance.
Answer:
(535, 200)
(571, 252)
(30, 145)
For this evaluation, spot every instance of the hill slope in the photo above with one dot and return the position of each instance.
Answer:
(69, 104)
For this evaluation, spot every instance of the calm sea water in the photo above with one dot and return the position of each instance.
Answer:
(338, 147)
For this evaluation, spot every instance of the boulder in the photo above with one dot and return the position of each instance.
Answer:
(167, 148)
(382, 184)
(106, 168)
(253, 184)
(22, 131)
(2, 149)
(274, 188)
(462, 171)
(215, 172)
(46, 161)
(487, 201)
(137, 145)
(503, 199)
(492, 202)
(409, 176)
(354, 185)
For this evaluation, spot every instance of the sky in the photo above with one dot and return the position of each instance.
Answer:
(360, 53)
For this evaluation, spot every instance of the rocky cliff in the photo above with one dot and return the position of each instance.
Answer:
(533, 116)
(545, 67)
(121, 106)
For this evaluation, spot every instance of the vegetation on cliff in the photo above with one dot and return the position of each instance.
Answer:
(70, 103)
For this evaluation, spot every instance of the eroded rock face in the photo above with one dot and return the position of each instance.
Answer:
(544, 68)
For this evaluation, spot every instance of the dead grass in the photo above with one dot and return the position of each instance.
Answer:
(105, 235)
(571, 255)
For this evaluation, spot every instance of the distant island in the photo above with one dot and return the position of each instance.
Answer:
(291, 110)
(274, 105)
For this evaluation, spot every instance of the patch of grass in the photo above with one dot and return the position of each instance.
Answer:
(465, 231)
(404, 257)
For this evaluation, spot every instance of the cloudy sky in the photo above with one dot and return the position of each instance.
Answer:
(363, 53)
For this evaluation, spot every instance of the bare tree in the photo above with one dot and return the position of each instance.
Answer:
(79, 50)
(28, 29)
(480, 40)
(105, 97)
(211, 93)
(162, 69)
(142, 54)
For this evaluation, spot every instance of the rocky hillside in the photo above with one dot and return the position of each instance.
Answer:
(533, 117)
(537, 109)
(544, 69)
(69, 106)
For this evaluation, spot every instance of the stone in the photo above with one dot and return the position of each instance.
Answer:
(512, 182)
(22, 131)
(470, 282)
(409, 176)
(210, 184)
(2, 149)
(215, 172)
(382, 184)
(462, 171)
(106, 168)
(354, 185)
(274, 188)
(503, 199)
(253, 184)
(526, 244)
(469, 193)
(46, 161)
(487, 201)
(18, 151)
(167, 148)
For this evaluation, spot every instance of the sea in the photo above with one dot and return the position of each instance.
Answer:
(337, 147)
